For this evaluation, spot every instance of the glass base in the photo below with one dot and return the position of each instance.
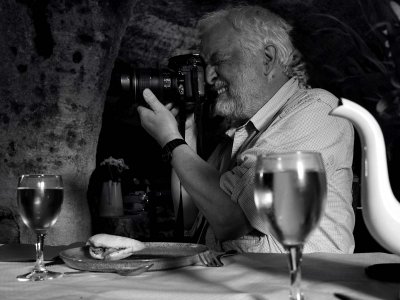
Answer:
(39, 276)
(298, 296)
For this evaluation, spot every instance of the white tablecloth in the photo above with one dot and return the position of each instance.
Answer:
(249, 276)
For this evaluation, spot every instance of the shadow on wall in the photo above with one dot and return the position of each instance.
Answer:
(9, 229)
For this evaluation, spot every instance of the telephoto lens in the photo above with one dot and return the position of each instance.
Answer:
(182, 83)
(128, 82)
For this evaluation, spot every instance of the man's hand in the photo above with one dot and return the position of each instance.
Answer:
(159, 120)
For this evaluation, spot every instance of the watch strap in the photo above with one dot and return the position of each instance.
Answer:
(166, 152)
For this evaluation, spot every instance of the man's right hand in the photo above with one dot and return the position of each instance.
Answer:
(158, 120)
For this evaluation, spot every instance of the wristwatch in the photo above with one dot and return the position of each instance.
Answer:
(166, 152)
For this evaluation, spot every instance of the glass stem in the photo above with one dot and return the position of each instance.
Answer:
(295, 255)
(39, 266)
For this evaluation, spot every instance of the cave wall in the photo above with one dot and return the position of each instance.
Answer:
(56, 59)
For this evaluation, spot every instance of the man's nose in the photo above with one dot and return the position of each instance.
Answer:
(211, 74)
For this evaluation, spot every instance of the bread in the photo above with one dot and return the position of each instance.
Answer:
(112, 247)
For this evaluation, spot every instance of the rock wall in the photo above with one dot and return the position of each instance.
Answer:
(56, 60)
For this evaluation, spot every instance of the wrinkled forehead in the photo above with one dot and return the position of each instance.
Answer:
(219, 38)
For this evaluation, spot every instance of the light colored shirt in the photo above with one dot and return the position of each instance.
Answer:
(293, 119)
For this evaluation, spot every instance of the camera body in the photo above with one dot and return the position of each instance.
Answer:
(182, 83)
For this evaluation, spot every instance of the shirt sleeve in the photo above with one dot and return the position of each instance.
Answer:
(309, 128)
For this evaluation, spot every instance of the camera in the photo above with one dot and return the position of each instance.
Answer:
(182, 83)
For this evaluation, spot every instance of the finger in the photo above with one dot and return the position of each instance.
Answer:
(152, 100)
(143, 111)
(174, 111)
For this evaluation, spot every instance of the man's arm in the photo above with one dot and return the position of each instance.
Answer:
(199, 178)
(201, 181)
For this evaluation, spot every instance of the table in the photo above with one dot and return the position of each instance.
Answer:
(244, 277)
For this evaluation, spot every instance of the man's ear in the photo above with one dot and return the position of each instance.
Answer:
(270, 58)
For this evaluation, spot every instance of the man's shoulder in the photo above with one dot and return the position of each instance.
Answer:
(323, 96)
(310, 107)
(310, 100)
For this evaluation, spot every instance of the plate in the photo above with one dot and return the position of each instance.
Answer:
(162, 255)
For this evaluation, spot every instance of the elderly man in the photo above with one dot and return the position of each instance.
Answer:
(262, 93)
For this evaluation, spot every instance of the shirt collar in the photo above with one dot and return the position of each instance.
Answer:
(265, 114)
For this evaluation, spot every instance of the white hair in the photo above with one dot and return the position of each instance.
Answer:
(258, 27)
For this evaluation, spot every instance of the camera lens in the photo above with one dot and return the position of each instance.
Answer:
(130, 82)
(161, 83)
(181, 83)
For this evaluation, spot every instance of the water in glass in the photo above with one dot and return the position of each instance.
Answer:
(290, 191)
(39, 198)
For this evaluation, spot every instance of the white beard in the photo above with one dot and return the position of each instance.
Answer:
(230, 107)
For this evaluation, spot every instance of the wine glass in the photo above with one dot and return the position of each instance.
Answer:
(290, 191)
(39, 202)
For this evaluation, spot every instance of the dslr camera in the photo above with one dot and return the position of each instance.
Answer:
(182, 83)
